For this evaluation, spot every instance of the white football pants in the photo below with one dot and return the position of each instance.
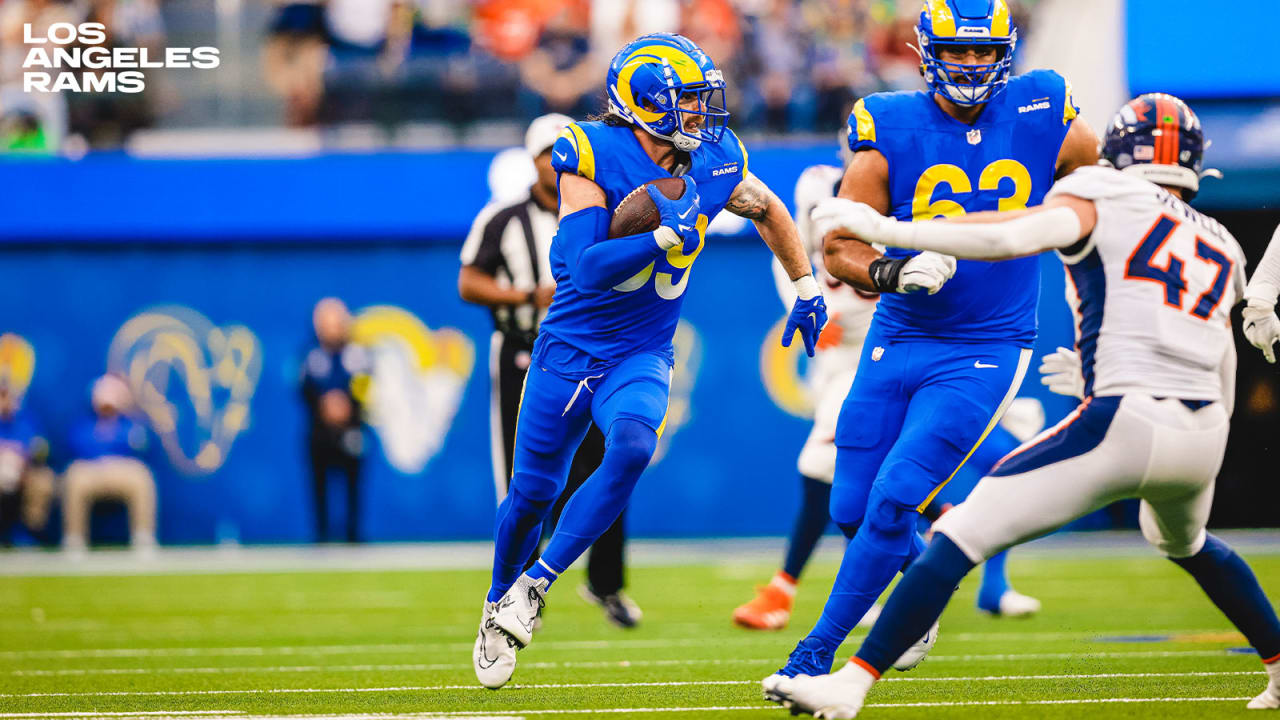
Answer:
(1161, 451)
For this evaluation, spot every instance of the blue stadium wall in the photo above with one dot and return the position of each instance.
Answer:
(197, 278)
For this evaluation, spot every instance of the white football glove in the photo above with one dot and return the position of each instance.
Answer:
(1262, 328)
(855, 218)
(927, 271)
(1061, 371)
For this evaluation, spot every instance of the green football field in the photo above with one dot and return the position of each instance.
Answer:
(1124, 635)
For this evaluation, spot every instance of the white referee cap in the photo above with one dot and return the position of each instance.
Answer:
(543, 131)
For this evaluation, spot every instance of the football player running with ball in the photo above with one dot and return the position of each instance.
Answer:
(939, 368)
(604, 351)
(1154, 283)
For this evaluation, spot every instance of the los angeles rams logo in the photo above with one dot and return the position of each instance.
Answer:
(192, 381)
(416, 385)
(784, 372)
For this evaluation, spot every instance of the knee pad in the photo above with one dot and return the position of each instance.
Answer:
(888, 525)
(533, 487)
(526, 506)
(630, 445)
(1184, 550)
(849, 490)
(1175, 549)
(848, 506)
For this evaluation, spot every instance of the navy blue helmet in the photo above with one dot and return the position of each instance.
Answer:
(1158, 138)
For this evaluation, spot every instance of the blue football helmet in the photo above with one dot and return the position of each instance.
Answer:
(966, 22)
(1158, 138)
(649, 76)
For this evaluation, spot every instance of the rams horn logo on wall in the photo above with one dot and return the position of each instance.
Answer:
(780, 368)
(192, 381)
(416, 384)
(17, 363)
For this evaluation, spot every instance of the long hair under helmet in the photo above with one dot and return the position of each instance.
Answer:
(650, 75)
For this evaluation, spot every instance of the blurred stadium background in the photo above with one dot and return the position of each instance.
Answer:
(181, 237)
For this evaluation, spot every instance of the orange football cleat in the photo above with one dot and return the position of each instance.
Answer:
(769, 610)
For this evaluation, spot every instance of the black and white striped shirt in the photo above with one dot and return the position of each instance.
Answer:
(512, 243)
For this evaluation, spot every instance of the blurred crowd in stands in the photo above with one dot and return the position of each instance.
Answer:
(792, 65)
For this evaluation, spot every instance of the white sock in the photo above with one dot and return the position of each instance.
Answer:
(784, 583)
(854, 673)
(1273, 672)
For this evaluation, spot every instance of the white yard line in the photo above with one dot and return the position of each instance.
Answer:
(646, 643)
(135, 714)
(429, 667)
(421, 667)
(738, 708)
(564, 686)
(440, 666)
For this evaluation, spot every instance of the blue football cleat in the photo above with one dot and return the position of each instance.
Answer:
(811, 657)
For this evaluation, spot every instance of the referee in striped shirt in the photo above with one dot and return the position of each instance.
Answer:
(506, 266)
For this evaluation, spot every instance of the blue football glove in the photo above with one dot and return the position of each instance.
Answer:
(809, 317)
(680, 215)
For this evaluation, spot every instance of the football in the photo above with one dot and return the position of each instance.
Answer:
(637, 214)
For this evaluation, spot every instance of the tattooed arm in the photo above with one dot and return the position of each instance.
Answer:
(757, 203)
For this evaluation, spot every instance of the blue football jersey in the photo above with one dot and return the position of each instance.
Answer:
(640, 313)
(938, 167)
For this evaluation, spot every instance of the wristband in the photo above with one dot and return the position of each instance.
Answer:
(884, 273)
(806, 287)
(666, 237)
(1260, 295)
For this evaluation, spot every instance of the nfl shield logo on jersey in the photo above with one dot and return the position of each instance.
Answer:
(974, 136)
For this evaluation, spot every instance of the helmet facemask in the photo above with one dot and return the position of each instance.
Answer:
(961, 83)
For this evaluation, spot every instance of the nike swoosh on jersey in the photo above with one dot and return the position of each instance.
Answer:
(562, 156)
(686, 212)
(980, 364)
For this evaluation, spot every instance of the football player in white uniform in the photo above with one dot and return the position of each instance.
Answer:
(1154, 282)
(1261, 326)
(834, 366)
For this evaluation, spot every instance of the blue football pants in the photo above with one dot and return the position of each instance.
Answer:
(916, 413)
(628, 402)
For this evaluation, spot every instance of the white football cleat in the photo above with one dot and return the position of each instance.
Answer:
(1268, 699)
(839, 695)
(916, 653)
(777, 688)
(873, 614)
(1014, 604)
(517, 611)
(494, 656)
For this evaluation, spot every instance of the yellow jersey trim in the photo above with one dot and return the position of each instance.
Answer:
(586, 156)
(866, 123)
